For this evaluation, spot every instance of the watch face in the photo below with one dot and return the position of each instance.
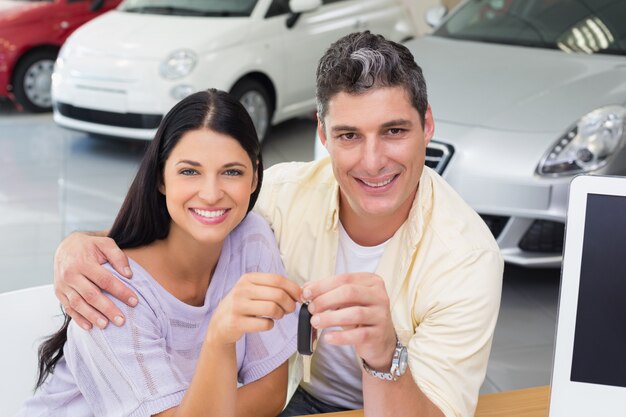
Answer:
(404, 361)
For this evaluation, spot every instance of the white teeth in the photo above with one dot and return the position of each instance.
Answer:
(209, 214)
(378, 184)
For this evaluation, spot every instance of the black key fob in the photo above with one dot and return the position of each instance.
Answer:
(306, 333)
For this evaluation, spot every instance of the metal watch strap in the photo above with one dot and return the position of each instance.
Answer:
(392, 375)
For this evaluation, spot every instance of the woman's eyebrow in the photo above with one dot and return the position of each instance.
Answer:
(190, 162)
(234, 164)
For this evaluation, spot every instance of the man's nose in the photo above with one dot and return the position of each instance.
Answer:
(373, 156)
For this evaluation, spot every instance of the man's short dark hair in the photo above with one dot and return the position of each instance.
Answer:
(361, 61)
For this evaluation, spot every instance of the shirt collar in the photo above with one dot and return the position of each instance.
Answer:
(332, 219)
(421, 208)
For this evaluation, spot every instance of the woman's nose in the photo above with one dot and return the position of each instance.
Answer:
(211, 191)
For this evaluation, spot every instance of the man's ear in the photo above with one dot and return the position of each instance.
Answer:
(320, 130)
(429, 125)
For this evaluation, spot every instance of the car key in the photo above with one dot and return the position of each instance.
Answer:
(307, 334)
(307, 340)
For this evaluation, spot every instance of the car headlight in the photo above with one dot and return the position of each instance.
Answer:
(64, 54)
(588, 145)
(178, 64)
(65, 51)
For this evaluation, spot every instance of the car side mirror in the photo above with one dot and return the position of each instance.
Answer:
(434, 15)
(297, 7)
(303, 6)
(96, 5)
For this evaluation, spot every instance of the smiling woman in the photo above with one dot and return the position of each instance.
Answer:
(214, 310)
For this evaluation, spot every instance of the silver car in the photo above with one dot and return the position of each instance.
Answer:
(527, 94)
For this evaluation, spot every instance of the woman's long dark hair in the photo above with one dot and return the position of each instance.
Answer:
(143, 217)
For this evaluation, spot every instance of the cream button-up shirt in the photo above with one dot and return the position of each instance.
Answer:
(442, 271)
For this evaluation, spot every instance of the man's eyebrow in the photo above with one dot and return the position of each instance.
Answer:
(396, 123)
(343, 128)
(386, 125)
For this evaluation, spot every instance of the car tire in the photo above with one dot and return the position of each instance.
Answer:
(32, 80)
(256, 99)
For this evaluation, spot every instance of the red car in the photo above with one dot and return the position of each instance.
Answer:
(31, 34)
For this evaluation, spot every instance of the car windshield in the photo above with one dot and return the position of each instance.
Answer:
(221, 8)
(574, 26)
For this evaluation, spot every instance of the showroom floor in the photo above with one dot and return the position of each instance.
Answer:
(54, 181)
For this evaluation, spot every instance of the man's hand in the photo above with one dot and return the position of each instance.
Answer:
(358, 303)
(79, 278)
(252, 306)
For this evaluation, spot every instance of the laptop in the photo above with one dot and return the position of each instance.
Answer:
(589, 372)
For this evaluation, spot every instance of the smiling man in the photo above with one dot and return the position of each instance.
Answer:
(403, 277)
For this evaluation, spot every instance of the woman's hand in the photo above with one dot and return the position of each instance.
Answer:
(79, 279)
(252, 306)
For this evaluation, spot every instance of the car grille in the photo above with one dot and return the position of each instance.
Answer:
(495, 223)
(544, 236)
(438, 155)
(132, 120)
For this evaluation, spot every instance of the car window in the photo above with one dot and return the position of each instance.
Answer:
(579, 26)
(220, 8)
(277, 8)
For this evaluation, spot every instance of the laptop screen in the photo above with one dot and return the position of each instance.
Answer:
(589, 372)
(599, 352)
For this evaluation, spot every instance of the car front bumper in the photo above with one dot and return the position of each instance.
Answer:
(495, 173)
(100, 128)
(125, 101)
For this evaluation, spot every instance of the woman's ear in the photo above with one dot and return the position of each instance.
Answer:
(255, 179)
(161, 187)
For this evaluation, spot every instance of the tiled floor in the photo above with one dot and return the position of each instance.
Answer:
(53, 181)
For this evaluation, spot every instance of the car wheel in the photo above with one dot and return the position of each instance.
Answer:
(32, 80)
(255, 98)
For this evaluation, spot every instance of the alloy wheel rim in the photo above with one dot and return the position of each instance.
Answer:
(37, 83)
(258, 110)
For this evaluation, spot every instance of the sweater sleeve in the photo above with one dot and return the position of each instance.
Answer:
(266, 351)
(125, 371)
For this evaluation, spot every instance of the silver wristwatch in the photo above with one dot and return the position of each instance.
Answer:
(399, 363)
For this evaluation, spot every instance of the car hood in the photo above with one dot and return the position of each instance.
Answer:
(146, 36)
(15, 13)
(516, 88)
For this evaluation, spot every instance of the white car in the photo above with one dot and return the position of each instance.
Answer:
(119, 74)
(527, 94)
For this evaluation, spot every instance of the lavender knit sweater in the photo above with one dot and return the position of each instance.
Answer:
(145, 366)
